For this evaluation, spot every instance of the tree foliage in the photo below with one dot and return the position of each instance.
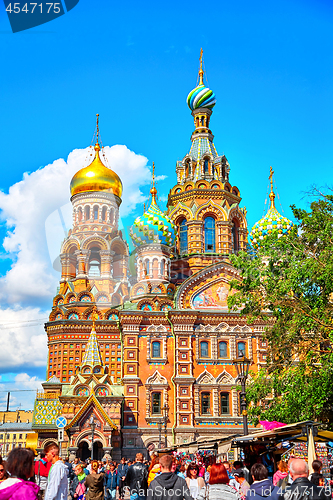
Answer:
(288, 283)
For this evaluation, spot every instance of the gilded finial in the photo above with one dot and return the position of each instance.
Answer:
(153, 190)
(97, 146)
(201, 72)
(144, 208)
(271, 194)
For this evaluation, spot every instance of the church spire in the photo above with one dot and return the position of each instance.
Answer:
(271, 194)
(153, 190)
(201, 72)
(92, 355)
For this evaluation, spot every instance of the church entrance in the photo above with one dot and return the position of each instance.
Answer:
(98, 450)
(83, 452)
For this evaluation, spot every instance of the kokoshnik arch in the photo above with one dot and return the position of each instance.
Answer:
(134, 339)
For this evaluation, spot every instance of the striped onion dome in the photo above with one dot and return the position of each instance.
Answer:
(201, 97)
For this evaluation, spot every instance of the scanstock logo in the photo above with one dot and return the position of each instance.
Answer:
(25, 15)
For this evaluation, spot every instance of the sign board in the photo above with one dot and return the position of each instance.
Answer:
(60, 435)
(61, 422)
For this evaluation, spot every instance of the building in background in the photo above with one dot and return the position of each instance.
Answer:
(147, 356)
(16, 434)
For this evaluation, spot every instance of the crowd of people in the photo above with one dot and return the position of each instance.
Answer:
(22, 477)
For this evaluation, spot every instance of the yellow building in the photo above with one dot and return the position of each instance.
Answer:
(16, 434)
(16, 416)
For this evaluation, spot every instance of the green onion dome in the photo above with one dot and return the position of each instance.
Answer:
(272, 223)
(153, 227)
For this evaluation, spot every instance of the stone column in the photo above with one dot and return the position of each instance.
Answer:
(106, 263)
(82, 257)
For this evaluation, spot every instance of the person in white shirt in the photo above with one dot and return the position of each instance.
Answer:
(57, 487)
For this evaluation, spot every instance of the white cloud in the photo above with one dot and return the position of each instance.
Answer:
(22, 388)
(32, 207)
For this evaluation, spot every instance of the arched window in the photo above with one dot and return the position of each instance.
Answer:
(111, 216)
(162, 267)
(87, 212)
(183, 237)
(188, 169)
(224, 403)
(156, 403)
(223, 350)
(94, 262)
(204, 349)
(156, 350)
(209, 230)
(146, 267)
(205, 403)
(241, 350)
(104, 213)
(95, 212)
(206, 166)
(80, 214)
(235, 236)
(203, 121)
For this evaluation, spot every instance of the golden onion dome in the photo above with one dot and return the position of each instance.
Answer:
(96, 177)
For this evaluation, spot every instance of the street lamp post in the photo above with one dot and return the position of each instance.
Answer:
(92, 426)
(159, 434)
(242, 366)
(165, 410)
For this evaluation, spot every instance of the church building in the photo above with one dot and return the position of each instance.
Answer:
(145, 355)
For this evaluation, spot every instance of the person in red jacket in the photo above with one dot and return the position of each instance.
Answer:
(42, 469)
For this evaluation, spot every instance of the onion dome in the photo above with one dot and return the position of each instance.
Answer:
(96, 177)
(273, 223)
(201, 96)
(153, 226)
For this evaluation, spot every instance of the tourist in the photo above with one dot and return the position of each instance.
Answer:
(168, 485)
(77, 488)
(154, 469)
(20, 465)
(3, 471)
(57, 486)
(262, 486)
(281, 473)
(95, 483)
(218, 487)
(122, 471)
(194, 482)
(111, 481)
(42, 469)
(299, 471)
(136, 479)
(243, 484)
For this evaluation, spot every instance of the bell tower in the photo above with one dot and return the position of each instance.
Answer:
(203, 205)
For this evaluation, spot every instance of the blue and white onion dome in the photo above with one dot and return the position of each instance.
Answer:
(201, 97)
(273, 223)
(153, 227)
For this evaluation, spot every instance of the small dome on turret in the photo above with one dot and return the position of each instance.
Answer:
(153, 226)
(273, 223)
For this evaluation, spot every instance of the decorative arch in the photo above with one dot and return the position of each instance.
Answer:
(188, 185)
(211, 208)
(205, 378)
(58, 298)
(225, 378)
(83, 294)
(71, 245)
(156, 379)
(100, 296)
(216, 183)
(73, 314)
(82, 391)
(179, 211)
(146, 305)
(177, 189)
(95, 241)
(86, 436)
(70, 297)
(202, 184)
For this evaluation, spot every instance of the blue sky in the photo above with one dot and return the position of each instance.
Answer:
(269, 64)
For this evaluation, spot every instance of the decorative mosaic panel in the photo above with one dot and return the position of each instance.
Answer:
(46, 412)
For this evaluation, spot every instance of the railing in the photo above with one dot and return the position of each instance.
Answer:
(48, 395)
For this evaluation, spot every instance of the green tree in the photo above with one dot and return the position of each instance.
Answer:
(288, 282)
